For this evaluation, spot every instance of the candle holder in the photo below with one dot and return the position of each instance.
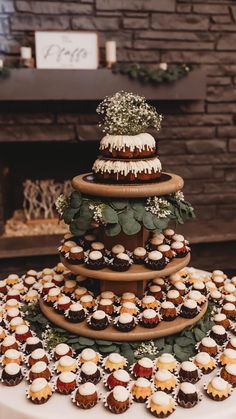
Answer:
(110, 47)
(26, 60)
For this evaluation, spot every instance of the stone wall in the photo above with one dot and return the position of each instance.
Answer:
(198, 139)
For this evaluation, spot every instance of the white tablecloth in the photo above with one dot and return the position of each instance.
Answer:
(14, 405)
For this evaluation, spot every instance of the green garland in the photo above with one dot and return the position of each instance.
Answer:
(181, 345)
(146, 74)
(129, 216)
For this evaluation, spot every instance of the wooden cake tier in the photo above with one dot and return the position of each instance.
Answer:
(110, 333)
(135, 272)
(168, 183)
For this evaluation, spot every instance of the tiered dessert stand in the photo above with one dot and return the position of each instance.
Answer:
(136, 278)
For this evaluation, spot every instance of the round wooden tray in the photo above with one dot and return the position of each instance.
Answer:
(168, 183)
(110, 333)
(135, 272)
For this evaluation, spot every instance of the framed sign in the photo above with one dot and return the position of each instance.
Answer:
(66, 50)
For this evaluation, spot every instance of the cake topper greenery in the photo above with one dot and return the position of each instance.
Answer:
(127, 114)
(116, 215)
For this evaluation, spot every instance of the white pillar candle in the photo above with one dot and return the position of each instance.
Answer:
(1, 63)
(26, 53)
(111, 52)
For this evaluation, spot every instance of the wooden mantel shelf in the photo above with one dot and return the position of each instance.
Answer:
(78, 85)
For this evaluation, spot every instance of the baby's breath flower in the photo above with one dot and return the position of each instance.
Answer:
(179, 196)
(97, 212)
(61, 204)
(127, 114)
(146, 348)
(158, 206)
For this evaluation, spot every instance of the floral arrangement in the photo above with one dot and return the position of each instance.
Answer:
(127, 114)
(164, 73)
(154, 213)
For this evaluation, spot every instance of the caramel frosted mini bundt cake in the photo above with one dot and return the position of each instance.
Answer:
(161, 404)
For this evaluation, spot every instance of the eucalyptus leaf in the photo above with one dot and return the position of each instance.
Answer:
(75, 199)
(86, 341)
(148, 221)
(160, 343)
(119, 205)
(109, 215)
(160, 223)
(108, 349)
(199, 334)
(113, 230)
(75, 230)
(131, 227)
(184, 341)
(180, 354)
(103, 342)
(126, 215)
(69, 214)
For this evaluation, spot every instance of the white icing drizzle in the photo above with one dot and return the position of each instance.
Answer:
(107, 294)
(173, 294)
(167, 305)
(125, 167)
(155, 255)
(12, 354)
(39, 367)
(99, 315)
(62, 349)
(163, 375)
(188, 388)
(140, 251)
(87, 354)
(38, 353)
(161, 399)
(66, 361)
(142, 142)
(12, 368)
(166, 358)
(208, 342)
(67, 377)
(230, 353)
(95, 255)
(89, 368)
(149, 314)
(231, 369)
(120, 394)
(219, 384)
(125, 318)
(118, 248)
(115, 358)
(105, 302)
(142, 382)
(38, 384)
(63, 300)
(121, 375)
(76, 307)
(87, 389)
(203, 358)
(188, 366)
(145, 362)
(219, 330)
(148, 299)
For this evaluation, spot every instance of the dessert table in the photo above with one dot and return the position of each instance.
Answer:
(15, 405)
